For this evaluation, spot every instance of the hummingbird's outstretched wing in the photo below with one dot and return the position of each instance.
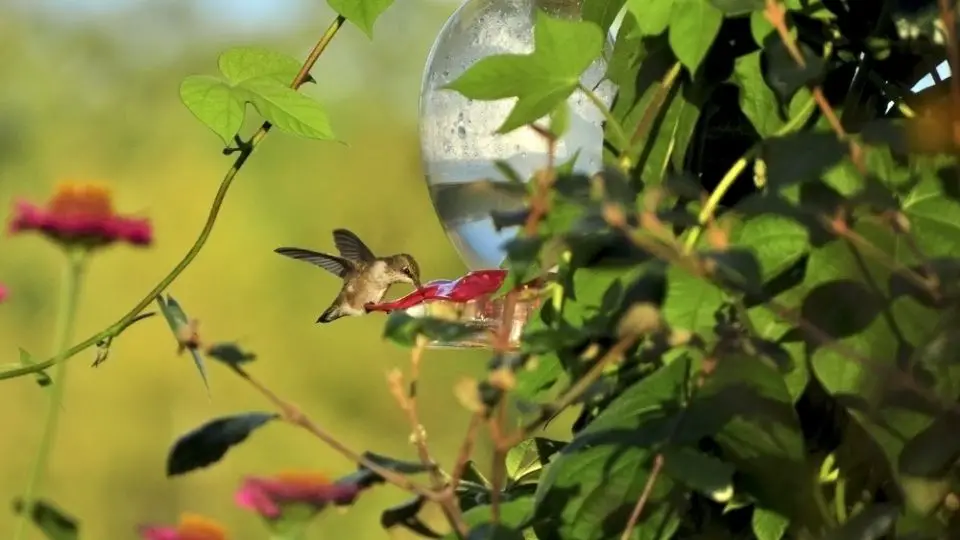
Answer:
(335, 265)
(351, 247)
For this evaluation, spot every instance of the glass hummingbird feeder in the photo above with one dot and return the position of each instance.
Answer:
(459, 146)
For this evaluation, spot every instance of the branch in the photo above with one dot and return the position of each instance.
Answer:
(408, 403)
(245, 152)
(644, 497)
(294, 416)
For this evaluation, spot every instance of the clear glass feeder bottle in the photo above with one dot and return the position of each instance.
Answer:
(459, 143)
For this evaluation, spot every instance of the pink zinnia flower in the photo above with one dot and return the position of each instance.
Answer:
(80, 214)
(191, 527)
(267, 496)
(3, 292)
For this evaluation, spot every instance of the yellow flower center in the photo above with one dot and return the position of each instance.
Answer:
(84, 199)
(197, 527)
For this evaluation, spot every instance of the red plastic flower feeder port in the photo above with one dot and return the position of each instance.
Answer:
(468, 300)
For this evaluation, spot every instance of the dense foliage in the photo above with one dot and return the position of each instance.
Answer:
(754, 303)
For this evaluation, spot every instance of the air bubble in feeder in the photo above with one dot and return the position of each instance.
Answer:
(459, 146)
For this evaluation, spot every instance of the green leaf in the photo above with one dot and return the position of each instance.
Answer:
(760, 27)
(362, 13)
(242, 63)
(513, 514)
(287, 109)
(541, 80)
(776, 241)
(738, 7)
(403, 329)
(52, 521)
(644, 414)
(694, 24)
(872, 523)
(176, 319)
(230, 354)
(406, 515)
(534, 105)
(208, 443)
(760, 434)
(215, 103)
(588, 495)
(590, 487)
(651, 16)
(706, 474)
(26, 359)
(691, 301)
(758, 101)
(560, 120)
(521, 459)
(667, 140)
(601, 12)
(768, 525)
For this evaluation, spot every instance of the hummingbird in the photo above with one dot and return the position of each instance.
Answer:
(365, 276)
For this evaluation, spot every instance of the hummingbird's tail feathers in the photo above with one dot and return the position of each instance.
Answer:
(351, 247)
(331, 314)
(335, 265)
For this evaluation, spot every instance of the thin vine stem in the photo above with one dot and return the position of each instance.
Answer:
(66, 317)
(622, 140)
(713, 201)
(244, 153)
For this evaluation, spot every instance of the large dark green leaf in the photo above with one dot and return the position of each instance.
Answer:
(592, 486)
(589, 495)
(691, 301)
(760, 433)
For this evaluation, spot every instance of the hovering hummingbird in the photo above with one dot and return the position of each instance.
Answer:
(366, 277)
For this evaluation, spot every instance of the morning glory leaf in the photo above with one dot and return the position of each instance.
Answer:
(541, 80)
(362, 13)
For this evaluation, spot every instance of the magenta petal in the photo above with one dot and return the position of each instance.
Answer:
(251, 497)
(467, 288)
(150, 532)
(3, 293)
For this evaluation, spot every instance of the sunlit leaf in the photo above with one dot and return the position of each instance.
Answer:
(541, 80)
(694, 24)
(362, 13)
(241, 63)
(215, 103)
(286, 108)
(768, 525)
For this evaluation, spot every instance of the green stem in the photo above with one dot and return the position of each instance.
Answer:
(840, 500)
(622, 140)
(710, 207)
(70, 294)
(245, 151)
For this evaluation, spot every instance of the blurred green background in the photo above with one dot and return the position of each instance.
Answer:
(90, 92)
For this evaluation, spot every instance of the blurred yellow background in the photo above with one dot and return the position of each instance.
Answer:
(90, 92)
